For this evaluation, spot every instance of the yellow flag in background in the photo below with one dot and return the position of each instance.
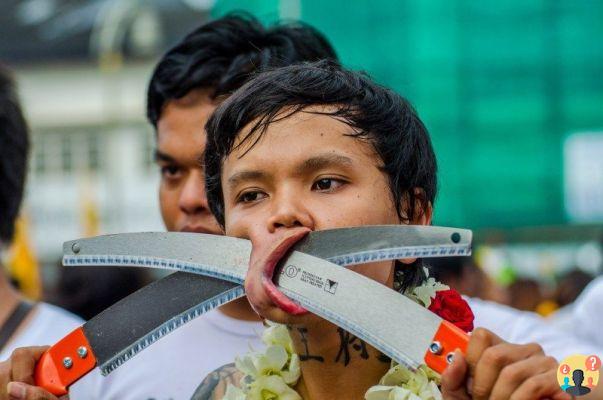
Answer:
(22, 264)
(90, 217)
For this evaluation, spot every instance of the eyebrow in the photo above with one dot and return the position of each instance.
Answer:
(323, 161)
(309, 165)
(164, 157)
(242, 176)
(161, 156)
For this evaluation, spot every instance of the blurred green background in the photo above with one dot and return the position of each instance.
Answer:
(499, 84)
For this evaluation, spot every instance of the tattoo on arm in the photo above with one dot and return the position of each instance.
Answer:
(214, 385)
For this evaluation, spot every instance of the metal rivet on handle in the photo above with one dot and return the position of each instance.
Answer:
(67, 362)
(435, 347)
(449, 358)
(75, 247)
(456, 237)
(82, 351)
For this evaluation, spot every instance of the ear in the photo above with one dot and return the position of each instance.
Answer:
(423, 217)
(423, 207)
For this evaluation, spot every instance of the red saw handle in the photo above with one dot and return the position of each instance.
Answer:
(447, 339)
(65, 363)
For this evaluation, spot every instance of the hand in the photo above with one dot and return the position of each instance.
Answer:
(494, 369)
(17, 375)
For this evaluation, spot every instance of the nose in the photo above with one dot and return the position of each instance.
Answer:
(192, 197)
(288, 211)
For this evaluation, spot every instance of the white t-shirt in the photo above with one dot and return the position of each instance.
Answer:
(584, 317)
(521, 327)
(175, 365)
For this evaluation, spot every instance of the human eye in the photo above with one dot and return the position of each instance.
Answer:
(328, 185)
(170, 171)
(251, 196)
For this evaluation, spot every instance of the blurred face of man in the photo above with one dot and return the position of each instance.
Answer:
(181, 143)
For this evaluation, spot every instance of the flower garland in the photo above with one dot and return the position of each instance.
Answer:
(273, 374)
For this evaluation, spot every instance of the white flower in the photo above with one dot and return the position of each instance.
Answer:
(381, 392)
(427, 291)
(246, 364)
(271, 388)
(233, 393)
(400, 383)
(292, 374)
(274, 361)
(277, 334)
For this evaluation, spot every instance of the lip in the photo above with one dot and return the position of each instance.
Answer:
(275, 295)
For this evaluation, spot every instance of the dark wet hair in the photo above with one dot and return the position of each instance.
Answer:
(375, 113)
(223, 54)
(14, 148)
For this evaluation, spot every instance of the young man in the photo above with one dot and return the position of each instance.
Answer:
(312, 147)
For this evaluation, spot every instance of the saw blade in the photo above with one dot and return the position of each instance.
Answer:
(227, 258)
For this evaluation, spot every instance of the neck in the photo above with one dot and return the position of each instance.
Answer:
(239, 309)
(331, 360)
(334, 363)
(9, 297)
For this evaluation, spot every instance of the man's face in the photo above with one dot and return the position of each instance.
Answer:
(306, 172)
(181, 142)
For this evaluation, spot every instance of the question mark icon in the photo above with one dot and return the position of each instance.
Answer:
(593, 363)
(564, 369)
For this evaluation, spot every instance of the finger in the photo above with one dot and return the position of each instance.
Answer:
(543, 386)
(454, 378)
(4, 378)
(23, 391)
(479, 341)
(492, 362)
(23, 363)
(514, 375)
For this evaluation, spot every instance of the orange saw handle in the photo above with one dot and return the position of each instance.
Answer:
(447, 339)
(65, 363)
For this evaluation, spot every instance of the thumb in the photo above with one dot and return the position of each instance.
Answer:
(23, 391)
(454, 379)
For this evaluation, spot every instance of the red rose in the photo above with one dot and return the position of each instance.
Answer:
(449, 305)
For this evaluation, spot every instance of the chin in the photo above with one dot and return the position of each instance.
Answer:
(281, 317)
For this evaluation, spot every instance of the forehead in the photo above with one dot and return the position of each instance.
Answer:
(299, 136)
(182, 122)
